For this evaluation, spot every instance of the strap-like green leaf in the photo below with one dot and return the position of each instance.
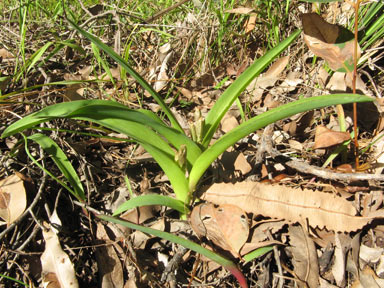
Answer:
(225, 101)
(183, 242)
(260, 121)
(132, 72)
(61, 161)
(151, 199)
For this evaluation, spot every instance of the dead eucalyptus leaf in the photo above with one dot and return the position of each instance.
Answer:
(304, 253)
(333, 43)
(225, 225)
(325, 137)
(323, 210)
(56, 263)
(13, 198)
(108, 262)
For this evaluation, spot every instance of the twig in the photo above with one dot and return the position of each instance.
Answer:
(26, 212)
(84, 8)
(277, 259)
(162, 12)
(168, 274)
(303, 167)
(330, 175)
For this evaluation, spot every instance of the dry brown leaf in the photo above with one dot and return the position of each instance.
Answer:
(368, 278)
(268, 79)
(5, 54)
(325, 137)
(110, 269)
(304, 255)
(240, 10)
(242, 164)
(331, 42)
(323, 210)
(337, 82)
(55, 261)
(250, 24)
(225, 225)
(13, 198)
(228, 123)
(339, 263)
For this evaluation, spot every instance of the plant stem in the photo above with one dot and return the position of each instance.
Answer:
(354, 75)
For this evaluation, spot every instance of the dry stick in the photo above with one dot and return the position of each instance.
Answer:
(162, 12)
(277, 259)
(354, 75)
(26, 212)
(303, 167)
(168, 274)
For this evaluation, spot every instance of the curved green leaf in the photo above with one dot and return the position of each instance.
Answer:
(151, 199)
(111, 113)
(257, 253)
(225, 101)
(183, 242)
(260, 121)
(61, 161)
(132, 72)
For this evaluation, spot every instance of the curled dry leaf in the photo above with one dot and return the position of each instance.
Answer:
(225, 225)
(56, 263)
(323, 210)
(13, 198)
(333, 43)
(325, 137)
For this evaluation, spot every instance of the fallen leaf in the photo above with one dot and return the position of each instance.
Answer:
(5, 54)
(56, 263)
(242, 164)
(240, 10)
(13, 198)
(228, 123)
(323, 210)
(110, 269)
(333, 43)
(337, 82)
(304, 254)
(368, 278)
(225, 225)
(268, 79)
(325, 137)
(338, 268)
(250, 24)
(370, 254)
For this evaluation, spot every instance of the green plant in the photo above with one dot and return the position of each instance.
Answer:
(184, 160)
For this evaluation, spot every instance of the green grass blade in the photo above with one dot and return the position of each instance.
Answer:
(14, 280)
(257, 253)
(30, 63)
(101, 62)
(225, 101)
(61, 161)
(260, 121)
(183, 242)
(132, 72)
(151, 199)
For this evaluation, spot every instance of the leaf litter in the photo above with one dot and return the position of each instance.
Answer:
(311, 232)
